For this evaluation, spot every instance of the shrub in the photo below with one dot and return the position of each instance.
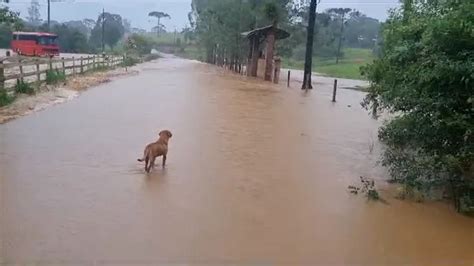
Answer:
(367, 188)
(54, 76)
(424, 78)
(5, 98)
(130, 61)
(23, 87)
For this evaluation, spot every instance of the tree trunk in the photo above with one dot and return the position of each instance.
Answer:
(158, 28)
(340, 40)
(308, 63)
(269, 55)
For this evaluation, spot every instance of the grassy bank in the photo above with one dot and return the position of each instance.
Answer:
(348, 66)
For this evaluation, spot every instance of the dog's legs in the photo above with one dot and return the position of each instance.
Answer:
(147, 169)
(152, 163)
(164, 161)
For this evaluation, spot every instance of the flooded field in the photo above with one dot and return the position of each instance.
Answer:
(257, 174)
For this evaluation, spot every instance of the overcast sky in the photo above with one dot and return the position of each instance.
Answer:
(136, 11)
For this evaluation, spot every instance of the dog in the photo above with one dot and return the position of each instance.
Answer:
(156, 149)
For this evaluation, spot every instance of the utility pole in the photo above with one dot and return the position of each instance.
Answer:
(103, 30)
(308, 63)
(49, 15)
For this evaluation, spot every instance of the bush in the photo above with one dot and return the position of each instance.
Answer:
(424, 77)
(130, 61)
(54, 76)
(23, 87)
(5, 98)
(139, 44)
(368, 189)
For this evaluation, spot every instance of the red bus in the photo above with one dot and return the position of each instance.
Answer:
(35, 43)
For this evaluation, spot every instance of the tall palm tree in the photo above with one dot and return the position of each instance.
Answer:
(159, 15)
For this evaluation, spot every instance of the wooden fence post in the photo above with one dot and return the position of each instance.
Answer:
(82, 66)
(51, 63)
(38, 73)
(123, 62)
(2, 76)
(289, 75)
(334, 91)
(21, 70)
(63, 65)
(73, 66)
(93, 63)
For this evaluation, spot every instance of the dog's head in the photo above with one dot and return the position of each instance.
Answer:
(165, 134)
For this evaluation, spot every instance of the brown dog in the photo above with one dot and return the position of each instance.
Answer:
(156, 149)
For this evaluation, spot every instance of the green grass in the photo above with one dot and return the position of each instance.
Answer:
(167, 38)
(5, 99)
(54, 76)
(348, 66)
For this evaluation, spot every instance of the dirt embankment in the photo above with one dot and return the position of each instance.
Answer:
(49, 95)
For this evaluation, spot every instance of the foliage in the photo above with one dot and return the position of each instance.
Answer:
(368, 189)
(130, 61)
(217, 24)
(425, 79)
(5, 99)
(23, 87)
(139, 44)
(113, 30)
(71, 40)
(159, 15)
(54, 76)
(10, 18)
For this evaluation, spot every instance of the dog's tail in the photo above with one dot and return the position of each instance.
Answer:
(145, 156)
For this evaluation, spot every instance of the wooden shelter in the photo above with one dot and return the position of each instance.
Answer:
(263, 55)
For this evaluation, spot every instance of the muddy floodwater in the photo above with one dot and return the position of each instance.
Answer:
(257, 174)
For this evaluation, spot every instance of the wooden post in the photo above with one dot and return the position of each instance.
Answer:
(51, 63)
(38, 73)
(63, 65)
(123, 61)
(21, 70)
(334, 91)
(82, 65)
(73, 66)
(289, 75)
(93, 63)
(2, 75)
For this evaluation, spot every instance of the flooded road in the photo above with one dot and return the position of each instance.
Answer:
(257, 174)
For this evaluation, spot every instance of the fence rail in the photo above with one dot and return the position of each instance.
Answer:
(33, 70)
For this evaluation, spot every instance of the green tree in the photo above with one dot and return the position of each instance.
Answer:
(158, 15)
(71, 40)
(9, 21)
(113, 30)
(425, 79)
(340, 14)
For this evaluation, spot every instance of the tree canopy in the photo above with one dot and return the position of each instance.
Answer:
(113, 30)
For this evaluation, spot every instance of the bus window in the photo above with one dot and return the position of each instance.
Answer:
(47, 40)
(26, 37)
